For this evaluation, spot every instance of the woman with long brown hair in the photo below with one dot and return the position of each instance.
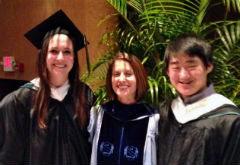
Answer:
(44, 122)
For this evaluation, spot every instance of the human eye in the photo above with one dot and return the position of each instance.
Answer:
(116, 74)
(67, 52)
(53, 51)
(128, 74)
(175, 68)
(192, 66)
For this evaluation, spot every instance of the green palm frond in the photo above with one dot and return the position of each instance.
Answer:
(101, 95)
(228, 48)
(120, 6)
(230, 35)
(138, 5)
(226, 74)
(235, 4)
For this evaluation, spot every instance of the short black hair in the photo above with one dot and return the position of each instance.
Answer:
(191, 45)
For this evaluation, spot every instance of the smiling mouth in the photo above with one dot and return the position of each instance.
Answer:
(185, 83)
(123, 87)
(59, 65)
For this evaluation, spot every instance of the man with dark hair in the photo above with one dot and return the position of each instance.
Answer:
(200, 126)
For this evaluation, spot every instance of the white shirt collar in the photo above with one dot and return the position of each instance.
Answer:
(56, 93)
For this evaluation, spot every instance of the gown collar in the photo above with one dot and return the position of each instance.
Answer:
(205, 102)
(127, 112)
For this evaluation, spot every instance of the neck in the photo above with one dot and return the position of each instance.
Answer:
(199, 95)
(57, 82)
(127, 101)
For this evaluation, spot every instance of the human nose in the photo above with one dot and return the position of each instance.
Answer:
(122, 77)
(184, 73)
(60, 56)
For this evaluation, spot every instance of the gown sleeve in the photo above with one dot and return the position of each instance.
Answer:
(94, 121)
(92, 125)
(150, 150)
(12, 129)
(96, 116)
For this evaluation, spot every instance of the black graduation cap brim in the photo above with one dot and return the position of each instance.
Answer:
(59, 19)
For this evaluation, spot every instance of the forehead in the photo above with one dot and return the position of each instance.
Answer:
(60, 39)
(183, 58)
(121, 65)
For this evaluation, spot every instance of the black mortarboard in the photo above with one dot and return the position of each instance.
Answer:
(59, 19)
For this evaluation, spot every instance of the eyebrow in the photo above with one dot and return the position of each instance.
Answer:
(56, 47)
(173, 62)
(190, 61)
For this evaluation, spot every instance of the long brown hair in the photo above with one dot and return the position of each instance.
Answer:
(43, 94)
(138, 69)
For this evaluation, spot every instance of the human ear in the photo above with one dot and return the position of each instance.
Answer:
(166, 71)
(209, 68)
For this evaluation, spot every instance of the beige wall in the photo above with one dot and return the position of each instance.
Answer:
(19, 16)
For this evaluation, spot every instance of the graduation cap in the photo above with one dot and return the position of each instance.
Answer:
(58, 19)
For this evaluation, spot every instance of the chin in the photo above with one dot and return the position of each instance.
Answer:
(122, 95)
(185, 92)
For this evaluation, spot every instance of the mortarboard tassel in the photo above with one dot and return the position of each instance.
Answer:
(87, 56)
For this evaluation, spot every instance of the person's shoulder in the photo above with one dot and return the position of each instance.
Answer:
(21, 95)
(227, 115)
(219, 99)
(226, 109)
(165, 105)
(19, 101)
(84, 85)
(107, 105)
(26, 90)
(150, 108)
(224, 106)
(86, 89)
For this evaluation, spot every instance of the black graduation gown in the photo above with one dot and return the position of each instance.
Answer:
(212, 139)
(22, 142)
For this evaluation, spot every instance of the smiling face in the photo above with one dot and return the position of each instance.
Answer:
(60, 58)
(124, 82)
(188, 74)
